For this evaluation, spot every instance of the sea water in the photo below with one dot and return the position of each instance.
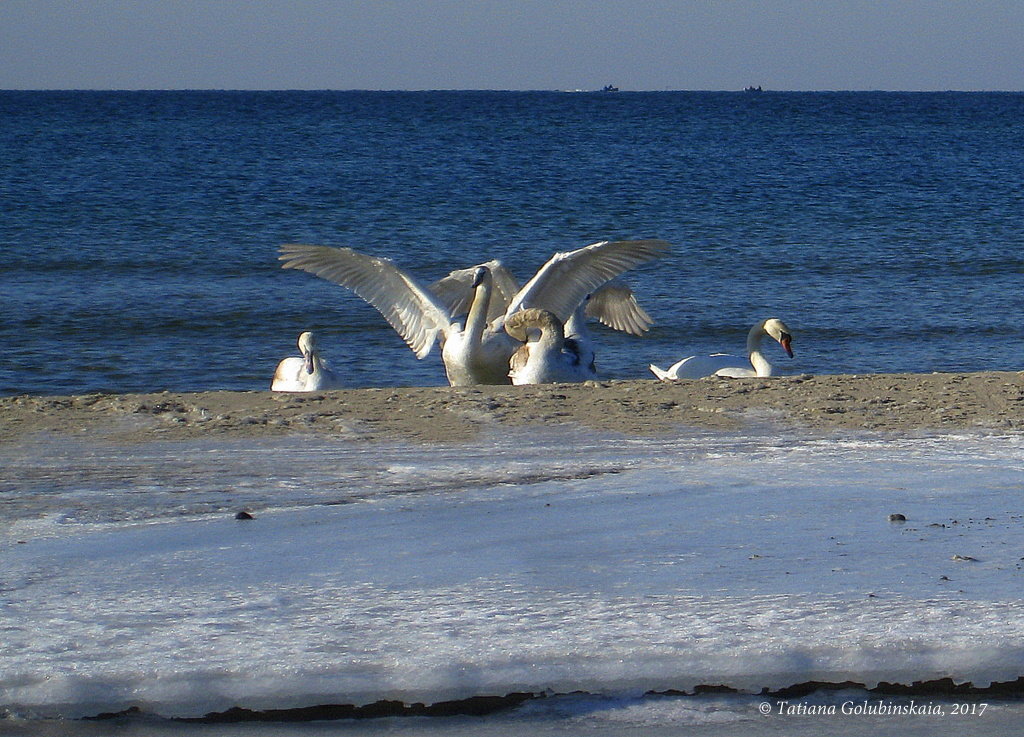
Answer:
(139, 230)
(602, 577)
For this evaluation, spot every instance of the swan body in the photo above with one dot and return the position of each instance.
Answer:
(754, 364)
(549, 357)
(309, 373)
(477, 353)
(478, 350)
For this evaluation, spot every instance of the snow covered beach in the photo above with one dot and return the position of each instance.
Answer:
(424, 545)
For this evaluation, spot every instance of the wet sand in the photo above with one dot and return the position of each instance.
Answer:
(877, 402)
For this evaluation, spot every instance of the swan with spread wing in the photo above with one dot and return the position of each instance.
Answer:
(613, 304)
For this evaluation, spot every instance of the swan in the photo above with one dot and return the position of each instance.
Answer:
(724, 364)
(478, 350)
(309, 373)
(549, 358)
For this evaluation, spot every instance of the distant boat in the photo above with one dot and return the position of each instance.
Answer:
(606, 88)
(753, 89)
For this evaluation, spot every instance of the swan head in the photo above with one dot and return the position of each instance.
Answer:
(520, 324)
(778, 331)
(307, 346)
(480, 275)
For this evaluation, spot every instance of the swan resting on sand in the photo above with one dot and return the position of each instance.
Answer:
(309, 373)
(478, 350)
(549, 357)
(724, 364)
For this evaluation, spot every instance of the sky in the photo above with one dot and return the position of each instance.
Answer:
(512, 44)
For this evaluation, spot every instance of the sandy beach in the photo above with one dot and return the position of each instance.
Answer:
(879, 402)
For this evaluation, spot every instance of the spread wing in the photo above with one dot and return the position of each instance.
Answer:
(615, 305)
(456, 290)
(563, 282)
(415, 313)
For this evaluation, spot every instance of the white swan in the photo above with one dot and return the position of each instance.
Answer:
(724, 364)
(478, 351)
(309, 373)
(549, 357)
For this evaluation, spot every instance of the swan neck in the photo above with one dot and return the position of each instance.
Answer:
(552, 332)
(309, 360)
(576, 324)
(476, 321)
(761, 365)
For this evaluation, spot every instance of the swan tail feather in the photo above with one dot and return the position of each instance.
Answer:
(660, 373)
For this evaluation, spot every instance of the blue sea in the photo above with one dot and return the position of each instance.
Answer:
(139, 230)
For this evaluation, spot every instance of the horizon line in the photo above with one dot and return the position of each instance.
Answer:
(484, 89)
